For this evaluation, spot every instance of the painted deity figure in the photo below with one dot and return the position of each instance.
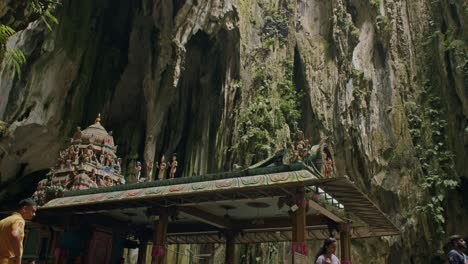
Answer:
(138, 170)
(328, 165)
(92, 176)
(162, 168)
(77, 135)
(305, 150)
(108, 160)
(76, 156)
(69, 153)
(173, 166)
(101, 159)
(62, 158)
(93, 158)
(71, 180)
(299, 146)
(117, 165)
(89, 151)
(108, 181)
(149, 170)
(84, 156)
(72, 153)
(69, 164)
(112, 163)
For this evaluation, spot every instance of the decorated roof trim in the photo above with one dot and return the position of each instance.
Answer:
(145, 193)
(194, 179)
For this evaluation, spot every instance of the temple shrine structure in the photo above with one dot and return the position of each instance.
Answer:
(90, 215)
(89, 161)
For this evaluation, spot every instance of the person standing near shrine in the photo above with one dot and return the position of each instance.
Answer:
(326, 255)
(12, 232)
(456, 255)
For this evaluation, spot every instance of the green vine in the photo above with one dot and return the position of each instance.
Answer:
(272, 106)
(275, 103)
(343, 28)
(276, 24)
(362, 90)
(428, 132)
(376, 3)
(384, 26)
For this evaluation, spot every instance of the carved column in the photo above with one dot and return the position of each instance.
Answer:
(345, 243)
(298, 220)
(159, 238)
(230, 246)
(142, 252)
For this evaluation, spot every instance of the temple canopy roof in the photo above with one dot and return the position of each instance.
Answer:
(257, 202)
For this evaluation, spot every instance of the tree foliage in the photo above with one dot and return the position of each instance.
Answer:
(44, 8)
(13, 58)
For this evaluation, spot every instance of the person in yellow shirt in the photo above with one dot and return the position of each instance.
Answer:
(12, 232)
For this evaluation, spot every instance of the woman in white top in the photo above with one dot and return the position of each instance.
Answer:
(326, 255)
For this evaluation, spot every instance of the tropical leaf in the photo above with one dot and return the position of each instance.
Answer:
(43, 8)
(48, 17)
(14, 59)
(5, 33)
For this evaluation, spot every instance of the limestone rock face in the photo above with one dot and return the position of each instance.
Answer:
(225, 83)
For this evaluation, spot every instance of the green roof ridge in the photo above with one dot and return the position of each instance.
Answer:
(192, 179)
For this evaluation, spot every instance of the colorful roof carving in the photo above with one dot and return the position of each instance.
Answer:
(89, 161)
(276, 176)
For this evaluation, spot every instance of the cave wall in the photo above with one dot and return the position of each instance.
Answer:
(224, 83)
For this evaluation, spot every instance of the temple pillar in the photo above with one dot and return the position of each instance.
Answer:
(230, 246)
(299, 232)
(345, 243)
(159, 238)
(142, 249)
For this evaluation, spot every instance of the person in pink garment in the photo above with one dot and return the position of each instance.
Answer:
(326, 255)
